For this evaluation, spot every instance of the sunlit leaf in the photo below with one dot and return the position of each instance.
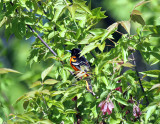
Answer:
(97, 31)
(46, 72)
(126, 25)
(88, 48)
(51, 35)
(109, 30)
(94, 110)
(150, 110)
(63, 74)
(50, 81)
(82, 4)
(70, 111)
(3, 21)
(47, 92)
(101, 46)
(6, 70)
(54, 93)
(37, 83)
(152, 73)
(127, 64)
(72, 10)
(58, 10)
(155, 86)
(45, 121)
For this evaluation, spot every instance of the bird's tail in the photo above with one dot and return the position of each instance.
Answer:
(89, 86)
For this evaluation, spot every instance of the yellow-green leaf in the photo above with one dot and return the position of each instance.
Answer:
(127, 64)
(155, 86)
(46, 72)
(88, 48)
(50, 81)
(6, 70)
(126, 25)
(37, 83)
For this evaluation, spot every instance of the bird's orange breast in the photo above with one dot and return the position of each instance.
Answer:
(73, 59)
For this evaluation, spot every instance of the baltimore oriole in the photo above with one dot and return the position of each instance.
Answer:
(81, 67)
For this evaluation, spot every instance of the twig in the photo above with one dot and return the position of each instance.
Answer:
(42, 40)
(134, 62)
(93, 54)
(120, 32)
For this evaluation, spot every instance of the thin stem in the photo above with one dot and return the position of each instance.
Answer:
(134, 62)
(120, 32)
(93, 54)
(42, 40)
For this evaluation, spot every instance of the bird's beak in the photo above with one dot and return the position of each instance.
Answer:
(68, 51)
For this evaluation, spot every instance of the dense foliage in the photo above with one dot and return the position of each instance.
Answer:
(58, 97)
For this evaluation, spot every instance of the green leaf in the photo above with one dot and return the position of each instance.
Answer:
(89, 97)
(37, 83)
(46, 72)
(6, 70)
(72, 10)
(124, 55)
(25, 104)
(50, 81)
(121, 100)
(58, 10)
(135, 17)
(57, 103)
(101, 46)
(47, 92)
(44, 122)
(82, 5)
(156, 55)
(98, 14)
(3, 21)
(1, 121)
(109, 30)
(63, 74)
(88, 48)
(150, 110)
(114, 121)
(51, 35)
(127, 64)
(105, 81)
(94, 111)
(126, 25)
(68, 111)
(97, 31)
(154, 29)
(54, 93)
(152, 73)
(155, 86)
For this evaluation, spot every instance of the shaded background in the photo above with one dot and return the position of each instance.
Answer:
(14, 52)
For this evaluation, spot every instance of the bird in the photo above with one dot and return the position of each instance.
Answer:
(81, 66)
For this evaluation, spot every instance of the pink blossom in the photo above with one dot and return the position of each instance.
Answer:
(136, 111)
(106, 106)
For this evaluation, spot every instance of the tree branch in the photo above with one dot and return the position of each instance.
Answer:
(134, 62)
(42, 40)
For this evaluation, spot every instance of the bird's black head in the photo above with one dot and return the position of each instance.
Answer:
(75, 52)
